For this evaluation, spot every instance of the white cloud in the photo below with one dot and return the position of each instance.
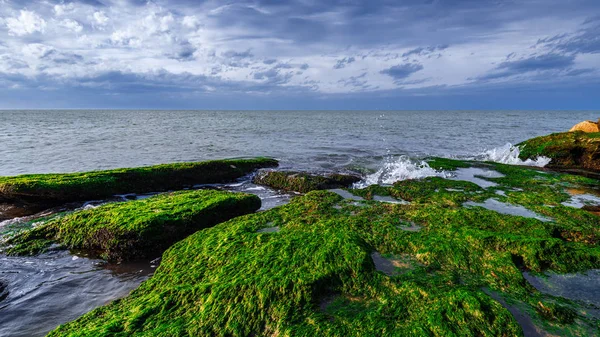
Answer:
(190, 21)
(71, 25)
(101, 18)
(28, 22)
(37, 50)
(63, 9)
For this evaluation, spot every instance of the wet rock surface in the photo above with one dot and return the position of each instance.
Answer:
(568, 150)
(135, 229)
(415, 257)
(304, 182)
(54, 189)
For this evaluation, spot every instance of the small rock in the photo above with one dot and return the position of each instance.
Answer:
(586, 126)
(304, 182)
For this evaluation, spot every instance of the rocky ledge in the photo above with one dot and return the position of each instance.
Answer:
(428, 257)
(567, 150)
(135, 229)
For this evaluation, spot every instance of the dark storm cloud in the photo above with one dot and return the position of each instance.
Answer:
(545, 62)
(402, 71)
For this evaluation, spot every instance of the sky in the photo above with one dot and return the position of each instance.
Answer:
(304, 54)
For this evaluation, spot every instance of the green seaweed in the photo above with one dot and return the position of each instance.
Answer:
(578, 150)
(304, 182)
(101, 184)
(446, 164)
(135, 229)
(316, 277)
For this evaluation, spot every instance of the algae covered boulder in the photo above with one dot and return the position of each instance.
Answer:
(321, 273)
(60, 188)
(304, 182)
(567, 150)
(136, 229)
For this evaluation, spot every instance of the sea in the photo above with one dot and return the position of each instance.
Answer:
(384, 146)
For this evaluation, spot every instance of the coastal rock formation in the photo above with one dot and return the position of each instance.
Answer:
(317, 275)
(33, 192)
(568, 150)
(586, 126)
(304, 182)
(135, 229)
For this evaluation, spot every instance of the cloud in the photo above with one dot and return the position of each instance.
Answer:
(72, 25)
(322, 48)
(28, 22)
(585, 40)
(544, 62)
(100, 18)
(402, 71)
(424, 51)
(339, 64)
(62, 9)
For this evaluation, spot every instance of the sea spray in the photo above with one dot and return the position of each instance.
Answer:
(509, 154)
(401, 168)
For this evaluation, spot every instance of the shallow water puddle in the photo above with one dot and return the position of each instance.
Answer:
(476, 175)
(393, 265)
(269, 230)
(526, 323)
(346, 195)
(504, 208)
(581, 198)
(54, 288)
(411, 227)
(390, 200)
(584, 287)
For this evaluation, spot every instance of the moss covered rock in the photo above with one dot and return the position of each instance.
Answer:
(304, 182)
(568, 150)
(135, 229)
(60, 188)
(317, 275)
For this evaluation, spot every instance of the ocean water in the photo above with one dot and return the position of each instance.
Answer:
(67, 141)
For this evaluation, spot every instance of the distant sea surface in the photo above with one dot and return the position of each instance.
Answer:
(81, 140)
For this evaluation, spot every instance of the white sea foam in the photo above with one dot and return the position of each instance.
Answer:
(401, 168)
(509, 154)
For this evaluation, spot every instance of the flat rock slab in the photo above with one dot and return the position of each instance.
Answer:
(304, 182)
(136, 229)
(60, 188)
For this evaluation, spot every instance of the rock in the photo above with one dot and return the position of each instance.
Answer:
(19, 209)
(318, 276)
(135, 229)
(567, 150)
(304, 182)
(61, 188)
(586, 126)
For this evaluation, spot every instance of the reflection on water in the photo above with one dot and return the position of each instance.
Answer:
(57, 287)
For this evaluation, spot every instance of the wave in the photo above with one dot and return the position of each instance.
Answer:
(401, 169)
(509, 154)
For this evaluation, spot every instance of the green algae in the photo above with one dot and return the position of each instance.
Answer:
(303, 182)
(135, 229)
(316, 275)
(446, 164)
(101, 184)
(578, 150)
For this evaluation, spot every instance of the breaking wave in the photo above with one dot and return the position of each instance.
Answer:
(401, 168)
(509, 154)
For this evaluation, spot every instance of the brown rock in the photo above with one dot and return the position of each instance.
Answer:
(586, 126)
